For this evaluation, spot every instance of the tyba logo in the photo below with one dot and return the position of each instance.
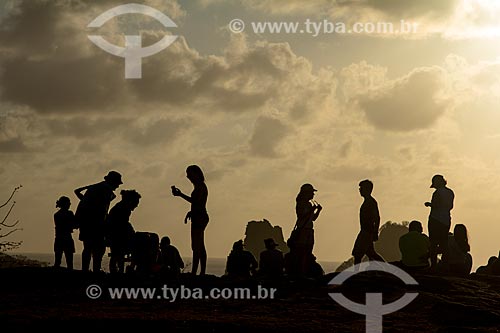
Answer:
(133, 52)
(374, 309)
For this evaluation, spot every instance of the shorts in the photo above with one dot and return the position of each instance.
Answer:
(64, 244)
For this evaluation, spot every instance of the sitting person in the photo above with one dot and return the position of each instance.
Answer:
(415, 248)
(240, 263)
(120, 232)
(271, 260)
(170, 260)
(456, 258)
(489, 268)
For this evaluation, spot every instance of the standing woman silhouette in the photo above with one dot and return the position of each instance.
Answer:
(198, 216)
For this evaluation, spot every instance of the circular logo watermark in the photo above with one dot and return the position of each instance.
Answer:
(93, 291)
(374, 309)
(236, 26)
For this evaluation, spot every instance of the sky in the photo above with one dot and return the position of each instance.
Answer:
(261, 113)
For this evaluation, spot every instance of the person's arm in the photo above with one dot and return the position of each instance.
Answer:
(318, 209)
(179, 259)
(433, 200)
(376, 221)
(178, 193)
(79, 190)
(74, 224)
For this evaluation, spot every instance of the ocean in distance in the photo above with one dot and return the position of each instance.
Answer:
(215, 266)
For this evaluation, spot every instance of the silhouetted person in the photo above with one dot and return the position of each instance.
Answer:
(90, 216)
(369, 219)
(145, 253)
(120, 231)
(170, 260)
(240, 263)
(456, 258)
(198, 216)
(271, 262)
(489, 268)
(64, 221)
(439, 218)
(301, 241)
(415, 247)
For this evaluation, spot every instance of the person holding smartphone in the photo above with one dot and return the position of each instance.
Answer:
(197, 215)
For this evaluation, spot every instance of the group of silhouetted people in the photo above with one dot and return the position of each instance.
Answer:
(100, 228)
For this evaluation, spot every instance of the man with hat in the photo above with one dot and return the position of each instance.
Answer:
(90, 216)
(271, 261)
(439, 218)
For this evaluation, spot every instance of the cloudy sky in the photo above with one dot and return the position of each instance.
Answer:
(261, 113)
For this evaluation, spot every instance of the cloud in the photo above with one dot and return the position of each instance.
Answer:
(87, 127)
(14, 145)
(408, 8)
(268, 134)
(412, 102)
(157, 132)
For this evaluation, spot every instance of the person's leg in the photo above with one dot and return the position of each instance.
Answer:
(86, 255)
(433, 251)
(203, 253)
(196, 252)
(58, 257)
(69, 259)
(98, 251)
(112, 261)
(120, 261)
(372, 254)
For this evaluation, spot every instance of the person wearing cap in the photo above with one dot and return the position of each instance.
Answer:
(440, 217)
(90, 217)
(271, 261)
(301, 241)
(369, 220)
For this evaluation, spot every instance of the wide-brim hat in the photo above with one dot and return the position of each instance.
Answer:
(270, 242)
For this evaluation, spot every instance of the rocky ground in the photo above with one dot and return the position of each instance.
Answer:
(43, 298)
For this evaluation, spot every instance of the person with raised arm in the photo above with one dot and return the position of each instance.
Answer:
(197, 215)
